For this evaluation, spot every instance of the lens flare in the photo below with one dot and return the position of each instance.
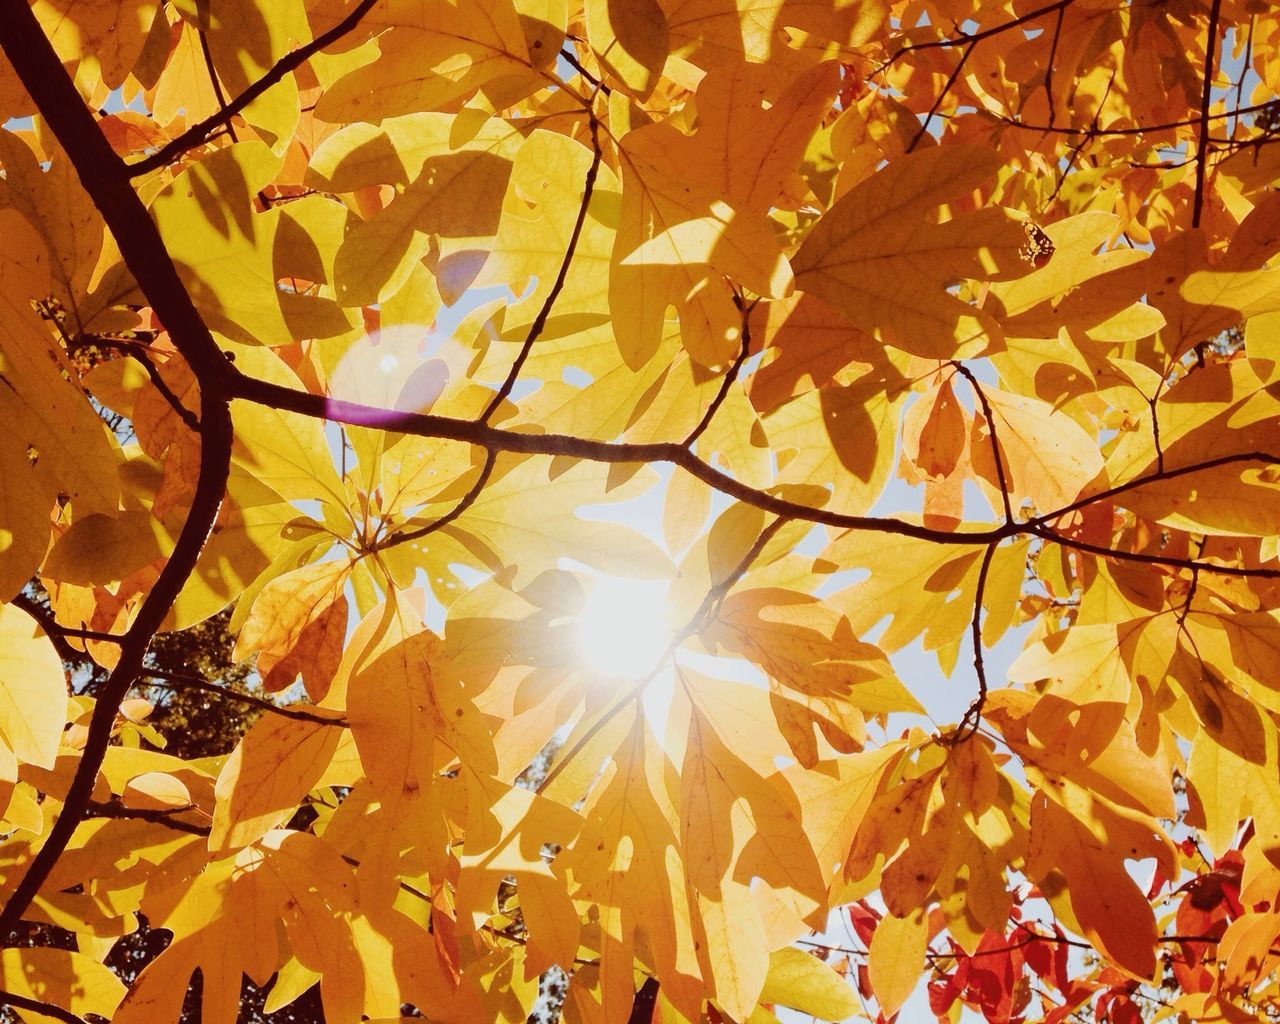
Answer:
(622, 632)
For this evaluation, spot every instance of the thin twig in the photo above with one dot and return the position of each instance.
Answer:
(39, 1006)
(218, 92)
(139, 354)
(1142, 129)
(193, 681)
(981, 395)
(1191, 565)
(199, 133)
(571, 58)
(973, 713)
(535, 332)
(115, 809)
(951, 80)
(562, 275)
(1206, 95)
(726, 384)
(966, 38)
(1048, 74)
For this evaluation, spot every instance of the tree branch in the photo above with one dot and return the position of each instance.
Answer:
(115, 809)
(196, 682)
(535, 332)
(1206, 95)
(498, 439)
(540, 321)
(995, 443)
(1136, 556)
(951, 80)
(642, 1006)
(39, 1006)
(966, 38)
(199, 132)
(973, 713)
(732, 375)
(1142, 129)
(104, 177)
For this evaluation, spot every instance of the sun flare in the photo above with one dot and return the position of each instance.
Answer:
(623, 631)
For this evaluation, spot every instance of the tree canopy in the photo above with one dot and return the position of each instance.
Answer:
(410, 342)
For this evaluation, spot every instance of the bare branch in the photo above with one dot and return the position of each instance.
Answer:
(104, 177)
(946, 88)
(995, 443)
(726, 384)
(195, 682)
(1206, 95)
(115, 809)
(39, 1006)
(198, 133)
(973, 713)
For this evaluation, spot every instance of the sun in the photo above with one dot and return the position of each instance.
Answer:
(622, 632)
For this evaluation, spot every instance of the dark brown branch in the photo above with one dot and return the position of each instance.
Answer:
(966, 38)
(951, 80)
(104, 177)
(139, 354)
(571, 59)
(1048, 72)
(498, 439)
(1161, 474)
(39, 1006)
(535, 332)
(199, 133)
(1142, 129)
(973, 713)
(1202, 141)
(115, 809)
(58, 633)
(732, 375)
(995, 443)
(1189, 564)
(1078, 148)
(188, 679)
(562, 275)
(214, 81)
(464, 503)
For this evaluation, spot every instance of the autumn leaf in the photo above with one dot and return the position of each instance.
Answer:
(595, 511)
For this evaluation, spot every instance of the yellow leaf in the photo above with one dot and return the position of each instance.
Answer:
(629, 38)
(297, 624)
(100, 549)
(436, 52)
(557, 532)
(877, 258)
(803, 982)
(33, 689)
(70, 980)
(271, 770)
(156, 791)
(896, 958)
(1048, 457)
(230, 257)
(456, 192)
